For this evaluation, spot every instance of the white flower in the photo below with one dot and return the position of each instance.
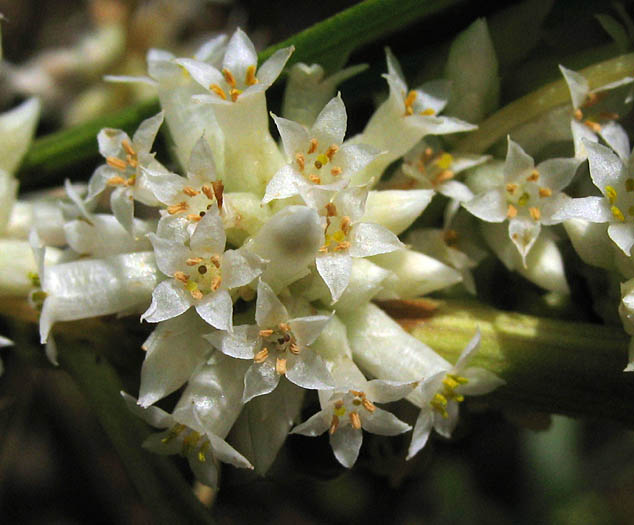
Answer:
(444, 391)
(348, 409)
(345, 237)
(528, 196)
(278, 345)
(594, 111)
(318, 163)
(615, 179)
(202, 274)
(125, 159)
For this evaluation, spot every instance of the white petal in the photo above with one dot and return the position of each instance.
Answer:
(623, 236)
(241, 343)
(606, 169)
(205, 471)
(593, 209)
(217, 309)
(367, 239)
(17, 127)
(489, 206)
(271, 69)
(330, 125)
(146, 133)
(169, 299)
(240, 54)
(316, 425)
(383, 423)
(468, 352)
(346, 443)
(261, 378)
(153, 416)
(456, 190)
(396, 209)
(269, 310)
(170, 255)
(226, 453)
(381, 391)
(616, 137)
(209, 237)
(307, 329)
(201, 163)
(577, 84)
(308, 370)
(334, 269)
(202, 73)
(287, 182)
(481, 381)
(556, 174)
(421, 433)
(240, 267)
(122, 205)
(446, 425)
(523, 232)
(295, 137)
(517, 161)
(109, 141)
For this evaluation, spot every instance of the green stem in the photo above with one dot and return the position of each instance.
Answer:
(327, 42)
(535, 104)
(161, 487)
(549, 365)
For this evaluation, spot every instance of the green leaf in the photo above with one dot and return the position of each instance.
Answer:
(328, 42)
(616, 31)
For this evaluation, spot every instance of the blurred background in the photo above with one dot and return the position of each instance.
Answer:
(57, 466)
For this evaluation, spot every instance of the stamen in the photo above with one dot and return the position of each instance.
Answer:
(443, 176)
(344, 245)
(125, 144)
(594, 126)
(334, 423)
(606, 115)
(266, 333)
(314, 178)
(115, 181)
(177, 208)
(533, 177)
(131, 161)
(193, 261)
(116, 163)
(313, 146)
(427, 154)
(218, 91)
(409, 100)
(331, 209)
(235, 93)
(284, 327)
(251, 78)
(610, 193)
(294, 348)
(428, 112)
(219, 189)
(261, 356)
(193, 217)
(618, 214)
(280, 366)
(229, 77)
(173, 433)
(345, 224)
(192, 288)
(208, 192)
(330, 152)
(202, 452)
(336, 171)
(355, 420)
(511, 188)
(511, 212)
(577, 114)
(545, 192)
(535, 213)
(368, 405)
(215, 284)
(181, 276)
(301, 161)
(188, 190)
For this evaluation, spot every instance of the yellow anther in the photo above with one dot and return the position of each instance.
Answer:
(215, 284)
(511, 188)
(313, 146)
(314, 178)
(280, 366)
(428, 112)
(368, 405)
(409, 101)
(208, 192)
(450, 382)
(266, 333)
(194, 217)
(284, 327)
(439, 404)
(535, 213)
(533, 177)
(34, 278)
(116, 163)
(511, 212)
(610, 193)
(443, 176)
(545, 192)
(301, 161)
(629, 184)
(261, 356)
(618, 214)
(594, 126)
(330, 152)
(173, 433)
(177, 208)
(345, 224)
(181, 276)
(578, 114)
(215, 260)
(192, 288)
(336, 171)
(230, 79)
(294, 348)
(459, 379)
(235, 93)
(190, 441)
(444, 161)
(203, 450)
(591, 99)
(191, 192)
(250, 77)
(125, 144)
(218, 91)
(334, 423)
(523, 200)
(193, 261)
(116, 181)
(355, 420)
(131, 159)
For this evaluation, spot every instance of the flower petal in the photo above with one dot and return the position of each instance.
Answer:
(169, 299)
(217, 309)
(481, 381)
(383, 423)
(421, 433)
(308, 370)
(346, 443)
(261, 378)
(489, 206)
(623, 236)
(315, 425)
(334, 269)
(330, 125)
(367, 239)
(269, 310)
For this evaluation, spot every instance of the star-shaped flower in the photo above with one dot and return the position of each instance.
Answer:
(278, 345)
(123, 171)
(528, 196)
(318, 162)
(202, 273)
(445, 390)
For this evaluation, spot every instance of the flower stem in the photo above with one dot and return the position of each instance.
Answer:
(544, 99)
(549, 365)
(160, 485)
